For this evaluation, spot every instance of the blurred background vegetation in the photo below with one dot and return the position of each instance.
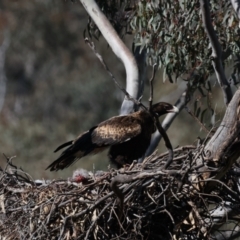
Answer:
(56, 87)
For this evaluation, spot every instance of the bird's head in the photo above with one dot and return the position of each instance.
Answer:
(162, 108)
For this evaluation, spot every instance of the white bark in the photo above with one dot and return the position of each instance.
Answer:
(142, 68)
(119, 49)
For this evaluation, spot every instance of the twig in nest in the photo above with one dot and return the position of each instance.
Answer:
(83, 212)
(94, 222)
(9, 162)
(198, 217)
(14, 171)
(120, 178)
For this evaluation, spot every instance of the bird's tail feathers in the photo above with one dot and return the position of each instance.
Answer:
(79, 148)
(63, 145)
(62, 162)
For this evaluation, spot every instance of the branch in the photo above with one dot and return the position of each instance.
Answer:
(230, 234)
(223, 149)
(216, 52)
(119, 49)
(127, 95)
(224, 146)
(180, 104)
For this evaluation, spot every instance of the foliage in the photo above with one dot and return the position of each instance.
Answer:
(174, 37)
(172, 32)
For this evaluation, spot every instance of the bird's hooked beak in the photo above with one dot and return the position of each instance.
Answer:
(173, 110)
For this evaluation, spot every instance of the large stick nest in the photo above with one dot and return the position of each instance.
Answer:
(156, 204)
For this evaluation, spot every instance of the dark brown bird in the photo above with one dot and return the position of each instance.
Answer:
(127, 136)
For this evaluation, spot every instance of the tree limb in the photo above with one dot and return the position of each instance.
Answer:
(224, 146)
(180, 104)
(119, 49)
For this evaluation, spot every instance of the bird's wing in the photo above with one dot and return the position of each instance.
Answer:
(116, 130)
(112, 131)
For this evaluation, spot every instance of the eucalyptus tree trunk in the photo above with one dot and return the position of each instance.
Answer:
(119, 49)
(223, 149)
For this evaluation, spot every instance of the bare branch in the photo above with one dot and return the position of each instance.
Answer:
(127, 95)
(180, 104)
(197, 120)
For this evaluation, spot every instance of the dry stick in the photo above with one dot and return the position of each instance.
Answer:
(229, 190)
(207, 209)
(120, 178)
(179, 149)
(181, 102)
(119, 222)
(83, 212)
(197, 120)
(92, 46)
(94, 222)
(151, 86)
(198, 216)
